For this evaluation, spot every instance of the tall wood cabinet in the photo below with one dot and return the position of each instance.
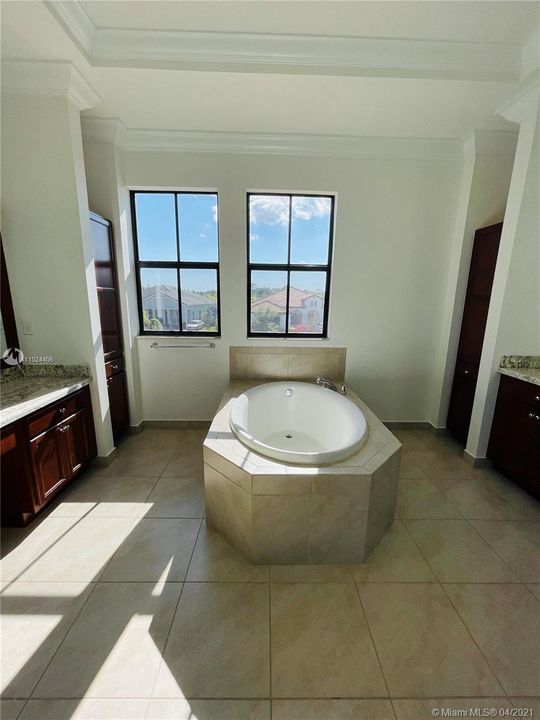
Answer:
(473, 326)
(111, 324)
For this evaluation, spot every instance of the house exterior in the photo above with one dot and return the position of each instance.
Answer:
(306, 309)
(160, 302)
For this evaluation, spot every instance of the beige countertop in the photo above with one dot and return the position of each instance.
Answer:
(25, 394)
(528, 374)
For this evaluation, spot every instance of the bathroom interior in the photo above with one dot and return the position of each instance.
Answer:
(270, 387)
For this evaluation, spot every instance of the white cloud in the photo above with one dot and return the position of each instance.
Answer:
(306, 208)
(274, 209)
(269, 209)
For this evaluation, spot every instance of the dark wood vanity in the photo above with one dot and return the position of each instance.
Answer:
(42, 452)
(514, 444)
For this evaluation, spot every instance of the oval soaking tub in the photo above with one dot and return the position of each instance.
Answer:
(298, 422)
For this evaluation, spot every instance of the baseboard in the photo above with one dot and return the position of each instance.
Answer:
(408, 425)
(136, 429)
(440, 431)
(476, 462)
(177, 424)
(104, 460)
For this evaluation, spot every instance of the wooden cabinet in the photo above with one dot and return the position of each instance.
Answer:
(514, 444)
(42, 453)
(111, 325)
(116, 386)
(473, 326)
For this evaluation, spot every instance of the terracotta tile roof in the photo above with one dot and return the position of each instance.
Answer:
(279, 299)
(171, 291)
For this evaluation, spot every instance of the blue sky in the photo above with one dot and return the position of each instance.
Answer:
(269, 218)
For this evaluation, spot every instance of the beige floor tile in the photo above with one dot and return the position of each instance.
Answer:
(85, 709)
(312, 573)
(214, 560)
(219, 643)
(517, 543)
(395, 559)
(105, 496)
(528, 702)
(535, 589)
(148, 462)
(208, 710)
(504, 620)
(35, 619)
(457, 553)
(482, 498)
(409, 469)
(83, 551)
(420, 498)
(115, 646)
(162, 438)
(156, 549)
(443, 462)
(332, 710)
(185, 463)
(10, 709)
(321, 646)
(462, 707)
(22, 547)
(424, 649)
(178, 497)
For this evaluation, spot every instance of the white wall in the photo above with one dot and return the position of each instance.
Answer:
(45, 229)
(513, 324)
(484, 192)
(394, 225)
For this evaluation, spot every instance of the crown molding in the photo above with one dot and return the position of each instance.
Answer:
(48, 79)
(526, 103)
(108, 130)
(284, 53)
(73, 18)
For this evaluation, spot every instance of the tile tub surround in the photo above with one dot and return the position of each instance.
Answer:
(25, 390)
(286, 363)
(272, 512)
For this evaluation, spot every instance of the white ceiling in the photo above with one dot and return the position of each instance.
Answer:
(262, 100)
(505, 22)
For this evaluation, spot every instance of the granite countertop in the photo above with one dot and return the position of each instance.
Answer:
(522, 367)
(23, 392)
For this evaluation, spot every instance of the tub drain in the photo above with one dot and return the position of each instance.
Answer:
(288, 436)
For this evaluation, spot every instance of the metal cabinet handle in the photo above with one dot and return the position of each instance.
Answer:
(114, 367)
(62, 410)
(466, 372)
(537, 398)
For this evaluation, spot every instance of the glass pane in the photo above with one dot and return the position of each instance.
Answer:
(269, 229)
(268, 301)
(199, 300)
(198, 222)
(306, 302)
(310, 230)
(156, 226)
(159, 290)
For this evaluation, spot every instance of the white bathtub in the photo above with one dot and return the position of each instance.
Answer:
(298, 423)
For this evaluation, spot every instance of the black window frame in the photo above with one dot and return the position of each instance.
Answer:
(177, 265)
(289, 267)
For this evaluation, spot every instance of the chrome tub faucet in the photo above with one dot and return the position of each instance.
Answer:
(324, 382)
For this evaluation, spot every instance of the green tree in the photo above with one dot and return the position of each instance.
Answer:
(151, 323)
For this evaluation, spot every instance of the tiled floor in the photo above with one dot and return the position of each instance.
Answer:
(120, 604)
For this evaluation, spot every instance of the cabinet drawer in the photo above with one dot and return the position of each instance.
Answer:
(522, 390)
(465, 370)
(114, 366)
(47, 418)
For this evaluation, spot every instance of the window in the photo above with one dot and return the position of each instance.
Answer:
(289, 259)
(176, 249)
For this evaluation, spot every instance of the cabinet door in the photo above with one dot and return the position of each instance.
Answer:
(47, 452)
(75, 443)
(532, 475)
(517, 446)
(118, 404)
(459, 412)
